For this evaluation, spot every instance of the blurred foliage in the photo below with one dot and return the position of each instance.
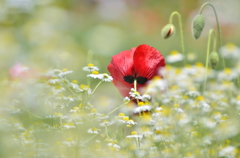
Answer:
(58, 33)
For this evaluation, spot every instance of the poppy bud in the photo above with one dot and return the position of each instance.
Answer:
(168, 31)
(198, 25)
(214, 59)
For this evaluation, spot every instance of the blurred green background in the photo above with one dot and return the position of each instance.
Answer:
(47, 34)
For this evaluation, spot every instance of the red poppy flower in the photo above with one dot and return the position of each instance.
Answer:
(140, 64)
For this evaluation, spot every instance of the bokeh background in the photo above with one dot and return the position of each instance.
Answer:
(44, 34)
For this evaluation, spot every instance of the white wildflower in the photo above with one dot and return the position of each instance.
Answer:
(90, 68)
(174, 56)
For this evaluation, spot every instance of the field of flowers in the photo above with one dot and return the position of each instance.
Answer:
(171, 105)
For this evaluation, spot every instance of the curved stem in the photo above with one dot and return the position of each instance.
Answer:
(181, 32)
(31, 114)
(117, 108)
(88, 96)
(107, 132)
(215, 43)
(89, 139)
(218, 26)
(96, 86)
(207, 58)
(89, 60)
(70, 89)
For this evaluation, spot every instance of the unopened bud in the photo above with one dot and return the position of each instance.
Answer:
(214, 59)
(168, 31)
(198, 25)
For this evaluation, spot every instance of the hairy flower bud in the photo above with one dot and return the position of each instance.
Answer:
(168, 31)
(198, 25)
(214, 59)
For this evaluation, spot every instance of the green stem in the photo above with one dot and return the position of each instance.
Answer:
(107, 132)
(89, 60)
(89, 139)
(117, 108)
(88, 96)
(31, 114)
(218, 26)
(96, 86)
(215, 43)
(135, 85)
(207, 58)
(238, 81)
(70, 89)
(181, 33)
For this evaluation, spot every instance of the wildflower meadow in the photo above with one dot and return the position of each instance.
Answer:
(138, 101)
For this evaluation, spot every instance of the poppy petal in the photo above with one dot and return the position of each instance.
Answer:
(123, 87)
(121, 66)
(147, 61)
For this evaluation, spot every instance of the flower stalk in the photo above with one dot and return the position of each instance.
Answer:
(181, 32)
(211, 33)
(218, 25)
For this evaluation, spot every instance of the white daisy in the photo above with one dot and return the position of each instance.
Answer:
(174, 56)
(114, 146)
(107, 78)
(228, 152)
(193, 93)
(69, 126)
(74, 85)
(135, 94)
(90, 68)
(85, 88)
(104, 77)
(69, 98)
(106, 123)
(131, 122)
(64, 72)
(126, 99)
(227, 74)
(54, 81)
(230, 50)
(157, 84)
(134, 134)
(93, 130)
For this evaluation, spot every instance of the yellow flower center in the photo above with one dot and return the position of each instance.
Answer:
(178, 71)
(227, 71)
(198, 64)
(230, 46)
(200, 98)
(126, 118)
(174, 52)
(176, 105)
(238, 97)
(64, 70)
(83, 86)
(95, 72)
(93, 110)
(137, 93)
(121, 114)
(156, 78)
(75, 81)
(134, 133)
(76, 108)
(140, 103)
(90, 65)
